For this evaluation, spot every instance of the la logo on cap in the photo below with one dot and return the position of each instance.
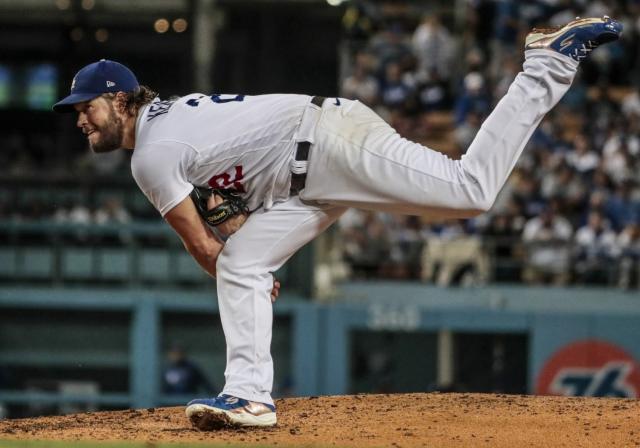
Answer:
(110, 83)
(73, 83)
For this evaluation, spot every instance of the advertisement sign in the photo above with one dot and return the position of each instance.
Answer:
(590, 368)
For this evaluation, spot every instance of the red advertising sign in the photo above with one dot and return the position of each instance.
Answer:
(590, 368)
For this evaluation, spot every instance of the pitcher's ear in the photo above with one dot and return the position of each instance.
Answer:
(120, 102)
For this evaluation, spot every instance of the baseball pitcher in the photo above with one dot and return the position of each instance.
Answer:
(246, 181)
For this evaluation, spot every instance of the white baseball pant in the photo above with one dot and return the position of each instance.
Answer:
(358, 160)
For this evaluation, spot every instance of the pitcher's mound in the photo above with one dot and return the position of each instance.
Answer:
(403, 420)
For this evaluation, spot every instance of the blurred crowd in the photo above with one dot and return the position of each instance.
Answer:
(570, 212)
(109, 210)
(26, 153)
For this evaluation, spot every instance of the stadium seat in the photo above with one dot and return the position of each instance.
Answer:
(8, 262)
(153, 265)
(77, 263)
(114, 264)
(36, 262)
(187, 269)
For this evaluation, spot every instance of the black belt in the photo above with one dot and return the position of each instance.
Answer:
(302, 154)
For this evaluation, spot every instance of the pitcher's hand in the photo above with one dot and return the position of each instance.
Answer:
(275, 292)
(231, 225)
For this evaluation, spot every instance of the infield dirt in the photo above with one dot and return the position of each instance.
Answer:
(403, 420)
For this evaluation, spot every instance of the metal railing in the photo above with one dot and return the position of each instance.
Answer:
(140, 253)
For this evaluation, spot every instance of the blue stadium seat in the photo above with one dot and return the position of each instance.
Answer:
(188, 270)
(77, 263)
(154, 265)
(8, 262)
(115, 264)
(36, 262)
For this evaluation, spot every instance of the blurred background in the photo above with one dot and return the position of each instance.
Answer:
(101, 307)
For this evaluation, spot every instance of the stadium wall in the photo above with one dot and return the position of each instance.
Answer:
(573, 341)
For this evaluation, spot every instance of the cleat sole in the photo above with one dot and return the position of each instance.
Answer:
(207, 418)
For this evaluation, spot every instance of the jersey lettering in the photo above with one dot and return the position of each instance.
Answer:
(224, 180)
(194, 102)
(216, 98)
(159, 108)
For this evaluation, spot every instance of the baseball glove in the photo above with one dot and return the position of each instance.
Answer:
(232, 205)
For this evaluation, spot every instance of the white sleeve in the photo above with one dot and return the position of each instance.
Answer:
(160, 170)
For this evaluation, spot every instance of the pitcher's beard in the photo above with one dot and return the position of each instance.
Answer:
(111, 135)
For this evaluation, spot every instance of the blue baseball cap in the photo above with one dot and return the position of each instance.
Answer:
(95, 79)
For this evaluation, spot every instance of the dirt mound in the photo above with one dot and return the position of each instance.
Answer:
(409, 420)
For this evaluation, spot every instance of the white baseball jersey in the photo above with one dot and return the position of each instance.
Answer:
(223, 141)
(355, 160)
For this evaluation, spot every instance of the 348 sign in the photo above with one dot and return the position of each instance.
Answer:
(590, 368)
(405, 318)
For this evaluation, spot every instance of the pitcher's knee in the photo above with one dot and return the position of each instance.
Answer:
(477, 194)
(229, 267)
(483, 205)
(477, 203)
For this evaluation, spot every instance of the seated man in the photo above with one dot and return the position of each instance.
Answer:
(299, 162)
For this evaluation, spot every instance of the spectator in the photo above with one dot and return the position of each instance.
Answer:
(547, 240)
(628, 246)
(433, 95)
(526, 192)
(563, 184)
(111, 212)
(183, 376)
(390, 46)
(566, 10)
(581, 155)
(361, 85)
(618, 162)
(473, 98)
(479, 22)
(368, 247)
(600, 182)
(357, 21)
(406, 247)
(602, 113)
(510, 68)
(502, 238)
(78, 216)
(594, 250)
(432, 45)
(596, 8)
(576, 99)
(395, 92)
(621, 208)
(453, 256)
(631, 105)
(506, 26)
(466, 132)
(582, 159)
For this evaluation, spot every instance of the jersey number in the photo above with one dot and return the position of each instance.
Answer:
(216, 98)
(226, 181)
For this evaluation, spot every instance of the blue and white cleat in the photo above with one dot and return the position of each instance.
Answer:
(577, 38)
(227, 411)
